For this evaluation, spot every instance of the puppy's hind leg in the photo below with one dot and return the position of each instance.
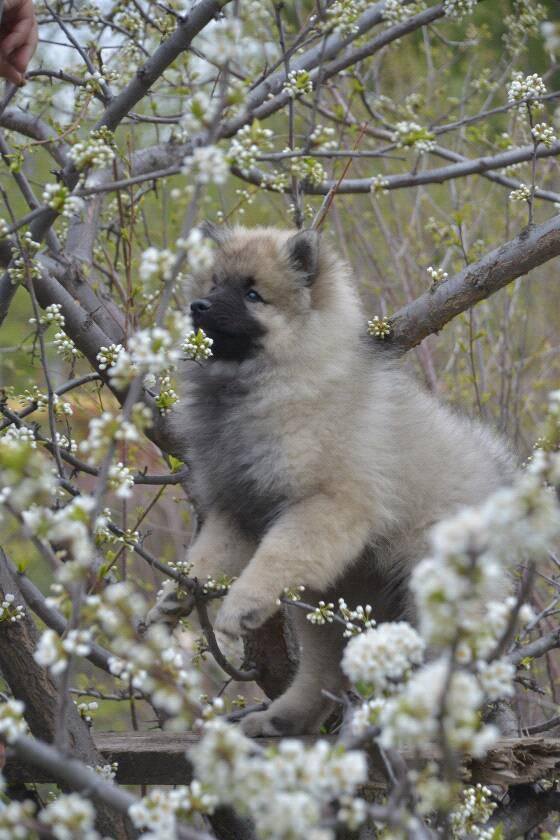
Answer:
(304, 707)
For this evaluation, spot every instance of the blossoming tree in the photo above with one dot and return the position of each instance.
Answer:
(138, 120)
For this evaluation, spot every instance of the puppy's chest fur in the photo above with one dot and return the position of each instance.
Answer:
(237, 453)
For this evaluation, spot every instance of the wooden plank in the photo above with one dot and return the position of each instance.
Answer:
(160, 758)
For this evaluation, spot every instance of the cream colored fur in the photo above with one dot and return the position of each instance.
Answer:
(366, 457)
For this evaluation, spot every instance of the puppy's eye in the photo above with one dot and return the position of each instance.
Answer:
(253, 296)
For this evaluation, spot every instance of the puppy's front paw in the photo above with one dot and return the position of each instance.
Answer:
(242, 611)
(272, 723)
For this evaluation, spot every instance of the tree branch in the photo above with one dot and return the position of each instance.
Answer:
(77, 776)
(31, 684)
(435, 308)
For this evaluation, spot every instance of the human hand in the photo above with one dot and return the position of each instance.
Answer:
(18, 39)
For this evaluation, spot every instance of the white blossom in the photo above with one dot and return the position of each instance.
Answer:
(96, 152)
(411, 718)
(458, 8)
(383, 656)
(298, 83)
(199, 250)
(121, 480)
(58, 197)
(412, 135)
(107, 356)
(496, 678)
(379, 327)
(223, 40)
(156, 263)
(379, 185)
(522, 193)
(284, 791)
(12, 724)
(197, 346)
(543, 133)
(208, 164)
(395, 11)
(52, 314)
(70, 816)
(10, 611)
(438, 275)
(524, 88)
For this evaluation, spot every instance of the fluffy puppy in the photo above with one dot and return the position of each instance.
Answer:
(315, 459)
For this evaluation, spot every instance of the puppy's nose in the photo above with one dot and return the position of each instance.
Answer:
(200, 305)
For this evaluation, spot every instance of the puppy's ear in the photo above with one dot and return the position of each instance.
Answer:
(302, 251)
(217, 233)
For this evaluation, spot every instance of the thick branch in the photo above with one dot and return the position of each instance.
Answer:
(434, 309)
(461, 169)
(76, 776)
(526, 810)
(31, 684)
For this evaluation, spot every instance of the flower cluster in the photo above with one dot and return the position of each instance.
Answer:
(53, 652)
(120, 480)
(25, 477)
(222, 43)
(51, 315)
(438, 275)
(298, 83)
(156, 264)
(412, 135)
(475, 809)
(198, 248)
(247, 144)
(103, 431)
(395, 11)
(12, 724)
(151, 351)
(25, 265)
(382, 657)
(20, 433)
(379, 185)
(287, 790)
(379, 327)
(322, 614)
(107, 356)
(96, 152)
(524, 22)
(159, 810)
(543, 133)
(412, 717)
(464, 578)
(70, 815)
(58, 197)
(65, 347)
(9, 611)
(322, 138)
(197, 346)
(153, 663)
(208, 164)
(342, 16)
(167, 396)
(524, 88)
(201, 111)
(459, 8)
(308, 169)
(14, 819)
(85, 710)
(522, 193)
(358, 619)
(496, 678)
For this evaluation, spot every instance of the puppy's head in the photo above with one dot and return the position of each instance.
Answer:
(261, 290)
